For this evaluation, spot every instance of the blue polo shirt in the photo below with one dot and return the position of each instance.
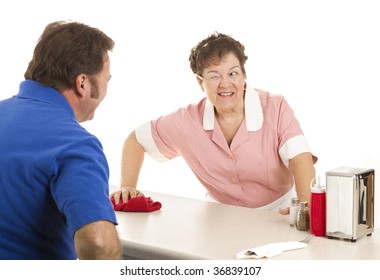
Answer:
(53, 176)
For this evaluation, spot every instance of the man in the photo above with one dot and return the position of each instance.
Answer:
(53, 173)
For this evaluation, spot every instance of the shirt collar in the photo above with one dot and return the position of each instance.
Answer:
(34, 90)
(252, 107)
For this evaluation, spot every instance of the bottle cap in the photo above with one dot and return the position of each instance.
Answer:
(317, 187)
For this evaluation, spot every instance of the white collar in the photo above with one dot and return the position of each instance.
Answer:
(252, 107)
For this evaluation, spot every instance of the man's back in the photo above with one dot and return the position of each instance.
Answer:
(53, 176)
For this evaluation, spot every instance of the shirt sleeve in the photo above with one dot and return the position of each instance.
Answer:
(80, 184)
(164, 138)
(145, 138)
(292, 141)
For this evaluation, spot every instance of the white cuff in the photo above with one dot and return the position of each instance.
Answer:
(293, 147)
(145, 138)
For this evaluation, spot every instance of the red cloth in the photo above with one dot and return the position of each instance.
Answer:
(137, 204)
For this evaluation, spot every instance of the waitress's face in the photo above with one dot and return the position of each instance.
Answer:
(224, 84)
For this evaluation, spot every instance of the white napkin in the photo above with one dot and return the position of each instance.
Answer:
(270, 250)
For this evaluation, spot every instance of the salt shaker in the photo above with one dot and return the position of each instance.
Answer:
(303, 217)
(293, 211)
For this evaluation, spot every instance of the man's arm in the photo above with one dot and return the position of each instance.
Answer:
(98, 241)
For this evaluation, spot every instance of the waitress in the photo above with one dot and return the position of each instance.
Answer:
(244, 145)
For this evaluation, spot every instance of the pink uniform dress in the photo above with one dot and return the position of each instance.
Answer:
(253, 171)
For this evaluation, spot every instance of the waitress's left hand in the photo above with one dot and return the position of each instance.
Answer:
(284, 211)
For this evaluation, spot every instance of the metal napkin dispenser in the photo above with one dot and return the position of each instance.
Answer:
(350, 202)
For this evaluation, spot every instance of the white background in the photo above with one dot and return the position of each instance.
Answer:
(323, 56)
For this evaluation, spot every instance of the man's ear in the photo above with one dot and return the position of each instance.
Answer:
(81, 84)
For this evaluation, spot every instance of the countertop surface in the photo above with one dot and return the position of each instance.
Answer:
(186, 228)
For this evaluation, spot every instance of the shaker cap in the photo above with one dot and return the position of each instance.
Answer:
(295, 201)
(304, 204)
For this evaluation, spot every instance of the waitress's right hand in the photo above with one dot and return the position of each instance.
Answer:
(125, 193)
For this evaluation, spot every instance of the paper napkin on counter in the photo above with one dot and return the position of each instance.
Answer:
(137, 204)
(270, 250)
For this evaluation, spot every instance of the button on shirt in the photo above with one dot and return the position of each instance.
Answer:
(253, 170)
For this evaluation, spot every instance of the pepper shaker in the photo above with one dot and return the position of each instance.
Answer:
(303, 217)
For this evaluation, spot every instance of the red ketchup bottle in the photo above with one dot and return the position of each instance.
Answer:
(318, 208)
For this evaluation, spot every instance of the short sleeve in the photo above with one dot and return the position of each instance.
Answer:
(145, 137)
(164, 138)
(79, 184)
(292, 141)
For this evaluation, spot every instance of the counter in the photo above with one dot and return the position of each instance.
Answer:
(186, 228)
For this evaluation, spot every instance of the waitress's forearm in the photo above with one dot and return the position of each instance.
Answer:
(131, 161)
(303, 171)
